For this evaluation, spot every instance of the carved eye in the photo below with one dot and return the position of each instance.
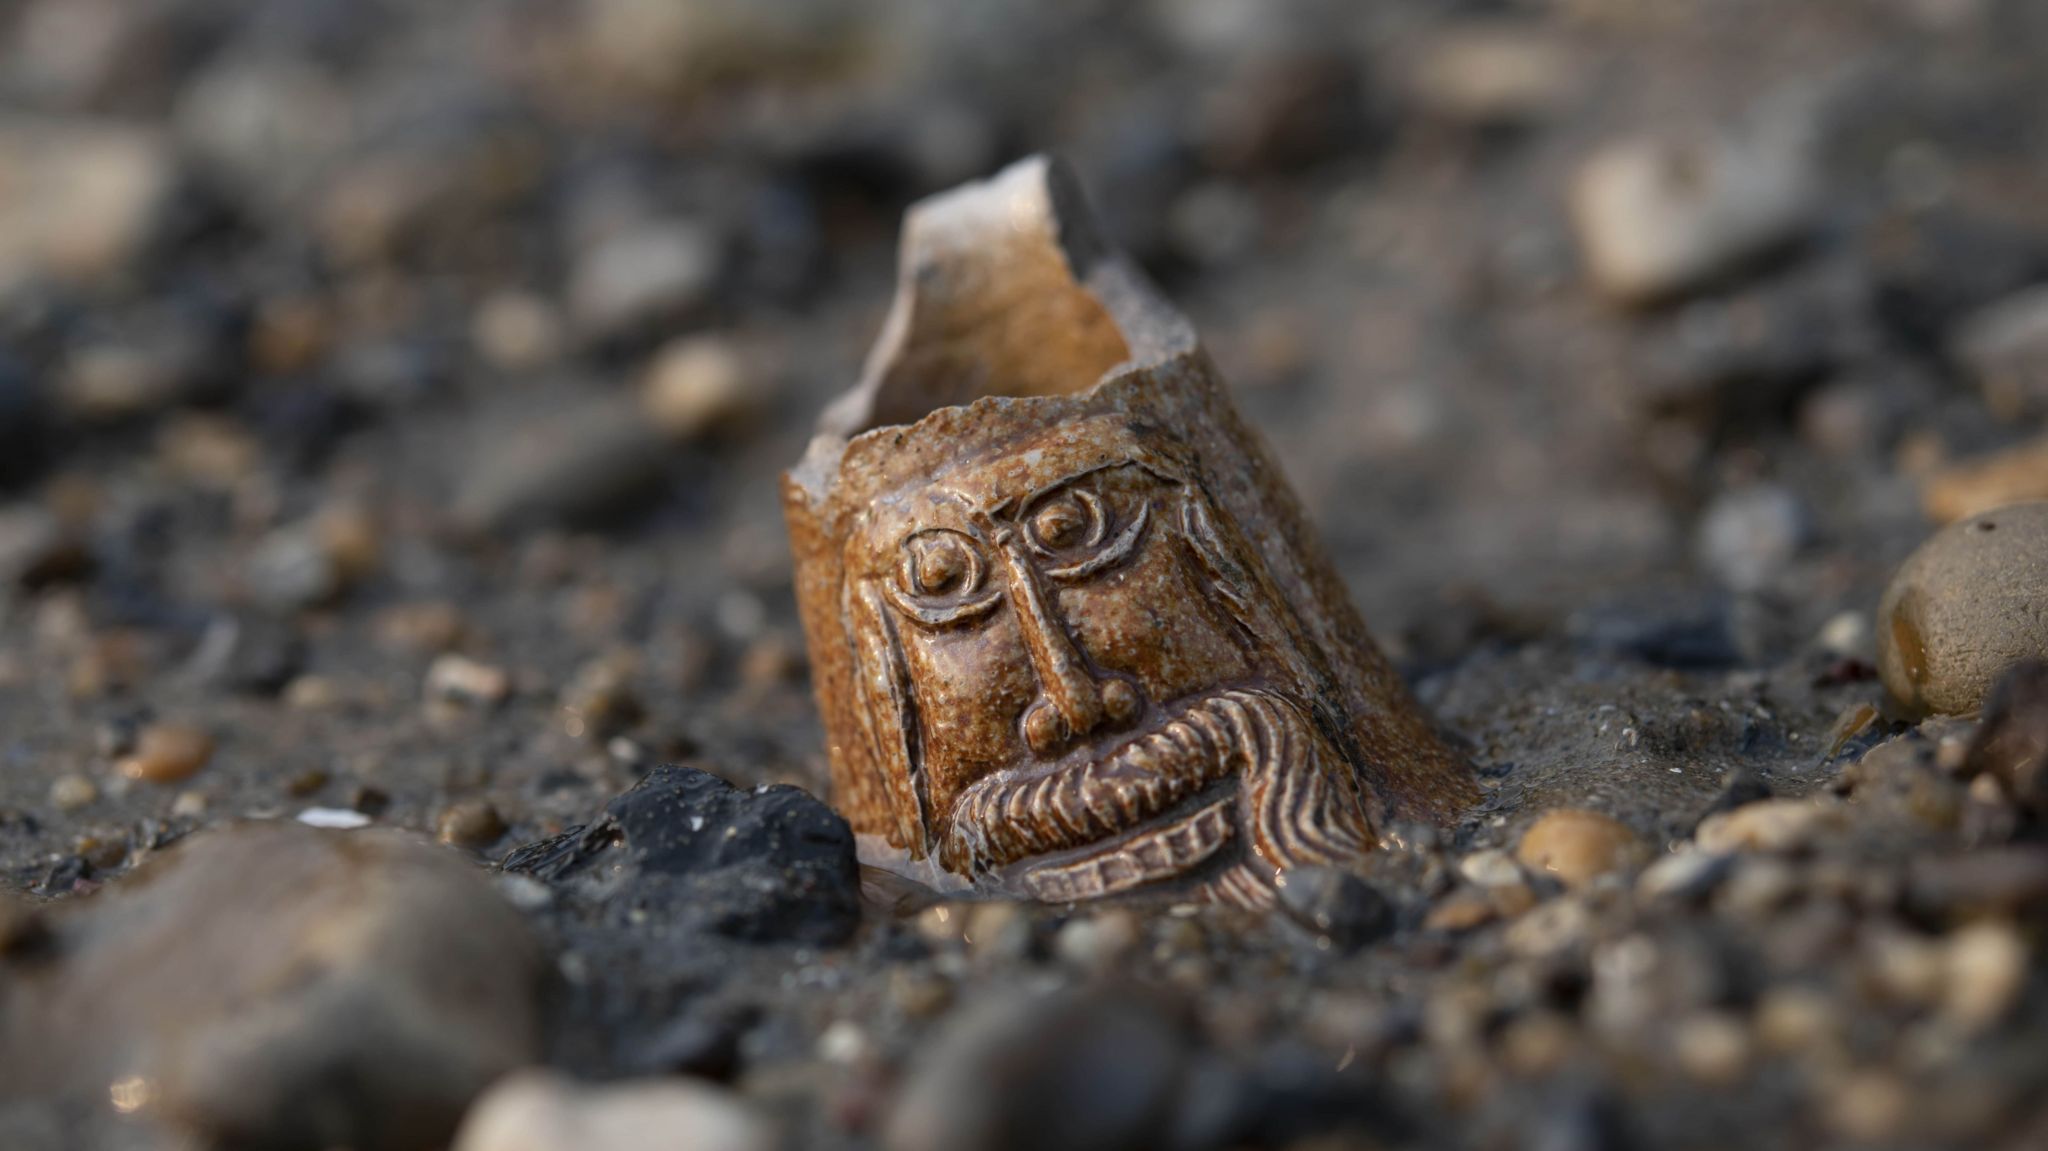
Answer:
(939, 578)
(940, 563)
(1067, 521)
(1082, 534)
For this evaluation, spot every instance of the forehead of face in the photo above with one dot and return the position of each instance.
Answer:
(999, 484)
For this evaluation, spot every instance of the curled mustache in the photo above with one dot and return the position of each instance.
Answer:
(1296, 801)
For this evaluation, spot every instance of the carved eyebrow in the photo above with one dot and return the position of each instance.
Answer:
(1125, 543)
(1032, 497)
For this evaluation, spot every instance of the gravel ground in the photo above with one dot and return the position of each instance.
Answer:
(391, 403)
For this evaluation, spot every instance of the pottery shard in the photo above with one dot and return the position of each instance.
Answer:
(1969, 604)
(275, 985)
(1070, 632)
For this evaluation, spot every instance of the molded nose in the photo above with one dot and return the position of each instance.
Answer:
(1072, 702)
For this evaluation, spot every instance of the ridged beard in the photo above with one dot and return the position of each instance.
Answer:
(1243, 765)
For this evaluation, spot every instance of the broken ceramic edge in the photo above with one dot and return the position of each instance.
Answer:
(945, 232)
(1071, 636)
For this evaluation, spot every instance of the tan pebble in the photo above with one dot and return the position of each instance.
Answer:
(457, 677)
(1098, 942)
(103, 850)
(1768, 825)
(996, 931)
(210, 451)
(1493, 73)
(1979, 484)
(289, 333)
(1554, 928)
(189, 805)
(1461, 910)
(1490, 868)
(1793, 1019)
(942, 924)
(167, 753)
(1987, 971)
(306, 783)
(353, 541)
(70, 792)
(1579, 846)
(312, 693)
(515, 332)
(698, 385)
(1964, 608)
(1511, 899)
(1537, 1044)
(1713, 1047)
(2005, 347)
(1868, 1106)
(1906, 968)
(1758, 886)
(1660, 217)
(471, 823)
(428, 627)
(540, 1111)
(919, 994)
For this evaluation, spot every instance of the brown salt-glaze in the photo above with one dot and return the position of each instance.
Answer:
(1069, 631)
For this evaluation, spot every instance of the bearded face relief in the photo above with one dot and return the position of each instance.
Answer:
(1074, 703)
(1070, 635)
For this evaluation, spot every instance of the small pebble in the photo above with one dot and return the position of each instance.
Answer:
(1869, 1106)
(918, 993)
(1083, 1069)
(1987, 967)
(642, 276)
(2004, 346)
(70, 791)
(542, 1111)
(1795, 1018)
(167, 753)
(1713, 1047)
(470, 823)
(461, 679)
(1495, 73)
(1556, 927)
(1461, 910)
(1338, 908)
(1097, 943)
(1748, 537)
(1964, 608)
(996, 932)
(1757, 886)
(84, 197)
(1490, 868)
(1769, 825)
(1973, 486)
(516, 332)
(1579, 846)
(1660, 218)
(1684, 875)
(335, 818)
(698, 386)
(2009, 750)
